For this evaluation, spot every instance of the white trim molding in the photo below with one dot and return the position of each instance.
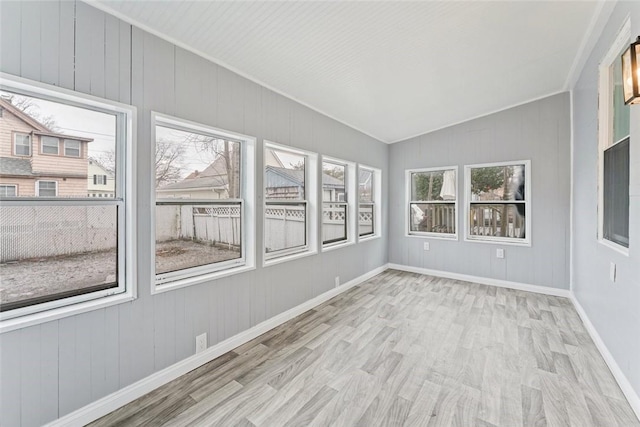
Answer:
(115, 400)
(627, 389)
(546, 290)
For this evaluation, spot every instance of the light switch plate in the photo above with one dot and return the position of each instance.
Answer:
(500, 253)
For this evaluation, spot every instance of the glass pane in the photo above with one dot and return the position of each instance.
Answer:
(366, 220)
(334, 222)
(498, 183)
(621, 112)
(616, 193)
(433, 218)
(333, 178)
(487, 220)
(190, 235)
(365, 185)
(434, 185)
(284, 175)
(285, 227)
(191, 165)
(53, 252)
(627, 71)
(90, 147)
(8, 190)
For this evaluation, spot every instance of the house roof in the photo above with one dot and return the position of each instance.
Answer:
(14, 166)
(201, 182)
(296, 177)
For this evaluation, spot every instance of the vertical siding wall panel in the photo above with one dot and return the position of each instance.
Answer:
(100, 352)
(50, 42)
(30, 40)
(11, 42)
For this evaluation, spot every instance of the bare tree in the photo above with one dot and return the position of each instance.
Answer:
(168, 162)
(228, 151)
(30, 108)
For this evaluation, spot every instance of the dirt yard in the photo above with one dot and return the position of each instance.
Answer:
(22, 280)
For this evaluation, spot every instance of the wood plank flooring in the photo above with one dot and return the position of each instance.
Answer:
(403, 349)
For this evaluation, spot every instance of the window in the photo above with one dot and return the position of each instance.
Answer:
(613, 154)
(22, 144)
(49, 145)
(71, 148)
(432, 195)
(289, 194)
(336, 207)
(8, 190)
(498, 202)
(366, 204)
(99, 179)
(47, 188)
(201, 196)
(81, 245)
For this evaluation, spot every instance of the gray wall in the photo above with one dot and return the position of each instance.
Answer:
(538, 131)
(49, 370)
(613, 308)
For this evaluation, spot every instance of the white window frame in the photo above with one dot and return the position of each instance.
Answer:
(42, 145)
(605, 116)
(310, 200)
(351, 191)
(527, 202)
(79, 148)
(38, 182)
(125, 200)
(409, 202)
(164, 282)
(15, 189)
(376, 194)
(15, 144)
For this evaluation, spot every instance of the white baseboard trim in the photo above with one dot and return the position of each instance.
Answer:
(485, 281)
(115, 400)
(621, 379)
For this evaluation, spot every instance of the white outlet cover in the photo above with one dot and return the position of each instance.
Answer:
(337, 281)
(500, 253)
(201, 342)
(612, 271)
(426, 246)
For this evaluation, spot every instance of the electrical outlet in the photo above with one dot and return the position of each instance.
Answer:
(612, 272)
(426, 246)
(201, 342)
(337, 281)
(500, 253)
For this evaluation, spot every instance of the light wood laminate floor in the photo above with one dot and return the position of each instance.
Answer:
(403, 349)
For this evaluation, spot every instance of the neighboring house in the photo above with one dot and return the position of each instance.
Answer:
(35, 161)
(211, 183)
(282, 183)
(100, 182)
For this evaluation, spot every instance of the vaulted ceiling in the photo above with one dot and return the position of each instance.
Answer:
(391, 69)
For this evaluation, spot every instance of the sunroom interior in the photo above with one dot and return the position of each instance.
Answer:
(319, 213)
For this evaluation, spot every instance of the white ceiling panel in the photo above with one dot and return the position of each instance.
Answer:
(391, 69)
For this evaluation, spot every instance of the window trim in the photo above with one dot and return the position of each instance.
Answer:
(165, 282)
(350, 203)
(605, 112)
(409, 202)
(15, 144)
(15, 189)
(42, 139)
(376, 197)
(311, 200)
(46, 180)
(527, 241)
(126, 120)
(64, 152)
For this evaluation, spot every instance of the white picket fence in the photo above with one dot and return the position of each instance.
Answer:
(29, 232)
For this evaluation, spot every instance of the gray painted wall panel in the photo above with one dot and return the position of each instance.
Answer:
(538, 131)
(79, 359)
(612, 308)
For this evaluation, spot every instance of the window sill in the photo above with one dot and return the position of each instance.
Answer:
(337, 245)
(62, 312)
(433, 236)
(286, 258)
(201, 278)
(367, 238)
(526, 243)
(614, 246)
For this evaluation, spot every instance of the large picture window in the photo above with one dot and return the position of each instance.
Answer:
(58, 247)
(498, 202)
(614, 162)
(200, 193)
(432, 202)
